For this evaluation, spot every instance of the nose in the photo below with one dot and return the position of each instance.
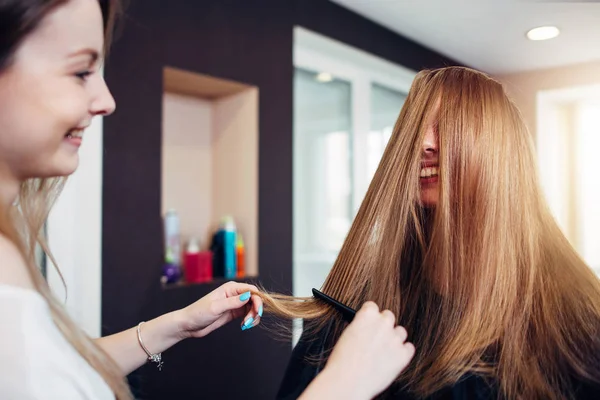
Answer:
(430, 141)
(103, 103)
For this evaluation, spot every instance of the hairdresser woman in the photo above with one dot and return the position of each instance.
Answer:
(50, 89)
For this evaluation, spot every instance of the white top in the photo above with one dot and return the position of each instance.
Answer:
(36, 361)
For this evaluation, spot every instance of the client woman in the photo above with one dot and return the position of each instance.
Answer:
(455, 237)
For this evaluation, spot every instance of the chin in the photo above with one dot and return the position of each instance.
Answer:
(428, 204)
(429, 200)
(65, 167)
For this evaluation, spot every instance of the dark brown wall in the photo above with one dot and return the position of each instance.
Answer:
(247, 41)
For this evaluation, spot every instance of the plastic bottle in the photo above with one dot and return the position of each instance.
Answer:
(191, 261)
(216, 248)
(241, 272)
(171, 271)
(229, 252)
(172, 238)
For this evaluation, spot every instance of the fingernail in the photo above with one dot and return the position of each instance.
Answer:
(260, 311)
(245, 296)
(248, 324)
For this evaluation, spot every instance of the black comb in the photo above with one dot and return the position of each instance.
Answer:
(347, 312)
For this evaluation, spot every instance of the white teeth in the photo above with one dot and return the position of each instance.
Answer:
(75, 134)
(429, 172)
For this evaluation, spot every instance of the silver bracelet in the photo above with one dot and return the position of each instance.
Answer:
(157, 358)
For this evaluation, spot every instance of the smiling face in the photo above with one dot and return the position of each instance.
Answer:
(50, 92)
(430, 165)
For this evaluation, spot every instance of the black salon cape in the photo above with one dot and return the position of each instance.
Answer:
(300, 373)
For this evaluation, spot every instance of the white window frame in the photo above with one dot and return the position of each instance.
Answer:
(554, 148)
(318, 53)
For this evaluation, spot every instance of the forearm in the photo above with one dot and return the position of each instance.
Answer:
(158, 335)
(328, 385)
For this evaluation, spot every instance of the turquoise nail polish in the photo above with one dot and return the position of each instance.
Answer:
(245, 296)
(260, 311)
(248, 324)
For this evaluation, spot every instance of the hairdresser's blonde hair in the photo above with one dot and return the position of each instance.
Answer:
(23, 224)
(502, 292)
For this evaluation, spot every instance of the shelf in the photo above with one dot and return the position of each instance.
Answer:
(210, 284)
(210, 157)
(177, 296)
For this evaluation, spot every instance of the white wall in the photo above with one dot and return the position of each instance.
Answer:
(187, 171)
(75, 235)
(525, 86)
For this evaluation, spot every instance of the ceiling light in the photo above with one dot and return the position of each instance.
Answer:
(324, 77)
(543, 33)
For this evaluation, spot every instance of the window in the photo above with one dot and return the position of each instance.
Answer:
(587, 145)
(568, 138)
(346, 103)
(322, 143)
(385, 107)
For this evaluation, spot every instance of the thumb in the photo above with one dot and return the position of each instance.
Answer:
(231, 303)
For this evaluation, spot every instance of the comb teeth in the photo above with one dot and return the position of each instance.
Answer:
(347, 312)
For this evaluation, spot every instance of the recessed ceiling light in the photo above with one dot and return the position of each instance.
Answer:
(543, 33)
(324, 77)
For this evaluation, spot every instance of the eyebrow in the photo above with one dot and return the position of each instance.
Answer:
(94, 55)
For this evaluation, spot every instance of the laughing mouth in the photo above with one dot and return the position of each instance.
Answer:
(74, 133)
(429, 172)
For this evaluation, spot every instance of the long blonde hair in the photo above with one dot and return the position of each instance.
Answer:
(486, 283)
(23, 224)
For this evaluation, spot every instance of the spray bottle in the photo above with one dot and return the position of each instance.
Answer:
(228, 232)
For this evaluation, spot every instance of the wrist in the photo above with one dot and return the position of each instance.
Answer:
(179, 325)
(162, 332)
(176, 321)
(337, 384)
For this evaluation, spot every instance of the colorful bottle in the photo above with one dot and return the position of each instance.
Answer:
(240, 257)
(205, 267)
(191, 261)
(229, 254)
(216, 248)
(172, 238)
(171, 272)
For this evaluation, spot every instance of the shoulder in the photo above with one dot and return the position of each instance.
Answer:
(586, 389)
(22, 324)
(13, 268)
(36, 359)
